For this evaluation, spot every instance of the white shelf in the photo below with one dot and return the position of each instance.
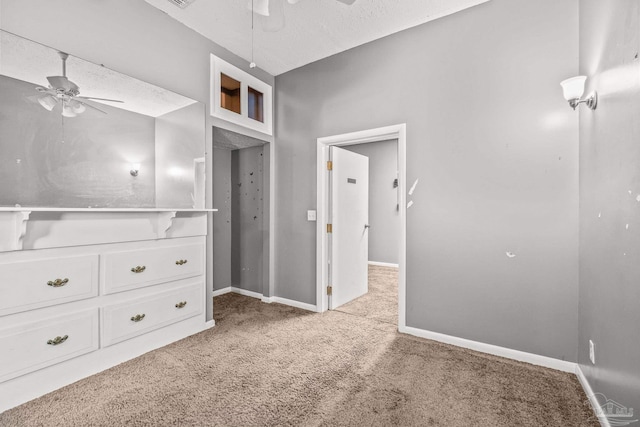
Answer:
(45, 209)
(41, 227)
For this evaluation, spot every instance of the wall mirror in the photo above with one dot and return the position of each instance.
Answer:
(74, 134)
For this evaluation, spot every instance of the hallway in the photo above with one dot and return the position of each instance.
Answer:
(381, 302)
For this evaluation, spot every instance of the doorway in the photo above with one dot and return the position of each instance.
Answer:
(241, 190)
(324, 254)
(380, 303)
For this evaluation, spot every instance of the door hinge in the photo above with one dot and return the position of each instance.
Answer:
(329, 165)
(329, 228)
(329, 290)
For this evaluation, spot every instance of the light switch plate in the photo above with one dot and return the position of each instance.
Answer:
(311, 215)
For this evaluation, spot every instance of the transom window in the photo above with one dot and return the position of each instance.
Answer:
(240, 98)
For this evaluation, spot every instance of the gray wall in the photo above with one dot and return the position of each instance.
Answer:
(222, 219)
(247, 219)
(384, 217)
(609, 187)
(495, 148)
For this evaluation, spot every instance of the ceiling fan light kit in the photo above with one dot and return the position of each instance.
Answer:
(48, 102)
(67, 93)
(274, 10)
(67, 110)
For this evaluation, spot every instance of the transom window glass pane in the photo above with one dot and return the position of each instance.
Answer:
(256, 109)
(229, 93)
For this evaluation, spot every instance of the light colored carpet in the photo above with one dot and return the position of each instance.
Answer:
(269, 364)
(381, 302)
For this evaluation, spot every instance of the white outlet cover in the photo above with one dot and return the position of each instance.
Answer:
(592, 352)
(311, 215)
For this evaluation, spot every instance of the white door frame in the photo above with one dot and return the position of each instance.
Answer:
(398, 132)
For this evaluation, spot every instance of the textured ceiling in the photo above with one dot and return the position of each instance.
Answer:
(229, 140)
(314, 29)
(32, 62)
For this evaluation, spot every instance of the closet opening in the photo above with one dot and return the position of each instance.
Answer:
(241, 226)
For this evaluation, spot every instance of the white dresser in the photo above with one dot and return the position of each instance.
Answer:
(84, 290)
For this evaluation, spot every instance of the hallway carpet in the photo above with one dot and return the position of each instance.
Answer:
(381, 302)
(270, 364)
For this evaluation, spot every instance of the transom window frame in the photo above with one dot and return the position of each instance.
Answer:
(220, 66)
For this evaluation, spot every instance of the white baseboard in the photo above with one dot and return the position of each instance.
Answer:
(267, 300)
(383, 264)
(222, 291)
(604, 421)
(209, 324)
(246, 293)
(534, 359)
(230, 289)
(292, 303)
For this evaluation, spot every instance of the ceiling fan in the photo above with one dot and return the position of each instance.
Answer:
(63, 91)
(272, 12)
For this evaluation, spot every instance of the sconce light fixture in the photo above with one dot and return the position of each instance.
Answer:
(135, 168)
(573, 88)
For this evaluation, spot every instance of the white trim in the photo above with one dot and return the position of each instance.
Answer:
(272, 217)
(222, 291)
(292, 303)
(384, 264)
(267, 300)
(233, 289)
(210, 324)
(604, 421)
(239, 291)
(398, 132)
(219, 65)
(534, 359)
(246, 293)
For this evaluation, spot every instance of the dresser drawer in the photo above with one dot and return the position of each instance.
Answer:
(132, 318)
(143, 267)
(32, 346)
(26, 285)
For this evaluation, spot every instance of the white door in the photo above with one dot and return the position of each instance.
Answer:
(349, 200)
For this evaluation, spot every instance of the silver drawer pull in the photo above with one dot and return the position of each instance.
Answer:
(181, 304)
(138, 269)
(58, 283)
(58, 340)
(181, 262)
(137, 317)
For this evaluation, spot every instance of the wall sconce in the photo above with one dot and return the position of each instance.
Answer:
(135, 168)
(573, 88)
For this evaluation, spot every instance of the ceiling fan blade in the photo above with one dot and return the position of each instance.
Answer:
(86, 104)
(45, 90)
(60, 82)
(97, 99)
(349, 2)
